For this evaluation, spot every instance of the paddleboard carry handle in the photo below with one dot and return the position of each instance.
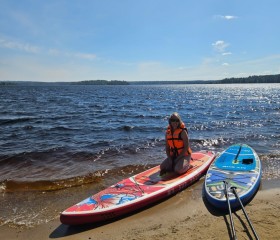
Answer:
(230, 214)
(243, 209)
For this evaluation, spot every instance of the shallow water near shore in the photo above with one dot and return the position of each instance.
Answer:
(60, 144)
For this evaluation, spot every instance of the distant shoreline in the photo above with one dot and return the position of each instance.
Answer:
(250, 79)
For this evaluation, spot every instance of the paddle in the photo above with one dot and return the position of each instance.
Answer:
(230, 214)
(243, 209)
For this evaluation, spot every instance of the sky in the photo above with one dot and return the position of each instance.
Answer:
(138, 40)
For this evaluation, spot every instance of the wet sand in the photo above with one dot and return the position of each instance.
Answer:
(183, 216)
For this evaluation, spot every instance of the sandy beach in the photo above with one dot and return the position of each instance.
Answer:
(183, 216)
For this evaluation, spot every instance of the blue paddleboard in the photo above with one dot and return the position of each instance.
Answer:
(237, 167)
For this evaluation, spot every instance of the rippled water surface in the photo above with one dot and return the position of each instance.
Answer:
(61, 137)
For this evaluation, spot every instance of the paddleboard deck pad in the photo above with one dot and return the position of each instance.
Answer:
(240, 167)
(136, 192)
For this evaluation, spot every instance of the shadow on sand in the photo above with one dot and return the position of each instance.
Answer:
(225, 213)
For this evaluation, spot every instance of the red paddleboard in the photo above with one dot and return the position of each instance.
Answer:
(135, 192)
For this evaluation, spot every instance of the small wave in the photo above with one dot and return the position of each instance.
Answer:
(26, 157)
(210, 142)
(200, 127)
(147, 116)
(128, 128)
(138, 128)
(28, 127)
(9, 121)
(62, 128)
(54, 185)
(49, 185)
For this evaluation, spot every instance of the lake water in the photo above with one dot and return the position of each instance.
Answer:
(70, 141)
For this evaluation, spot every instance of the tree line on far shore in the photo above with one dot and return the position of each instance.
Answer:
(101, 82)
(253, 79)
(250, 79)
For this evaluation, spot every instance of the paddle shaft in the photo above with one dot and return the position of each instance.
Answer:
(230, 214)
(243, 209)
(238, 151)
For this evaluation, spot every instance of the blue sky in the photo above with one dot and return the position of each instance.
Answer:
(74, 40)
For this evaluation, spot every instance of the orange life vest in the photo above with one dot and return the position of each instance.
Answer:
(175, 141)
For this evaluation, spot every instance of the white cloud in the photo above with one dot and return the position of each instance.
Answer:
(225, 64)
(29, 48)
(226, 53)
(225, 17)
(58, 53)
(87, 56)
(19, 46)
(220, 45)
(229, 17)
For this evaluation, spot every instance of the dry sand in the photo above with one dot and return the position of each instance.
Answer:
(184, 216)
